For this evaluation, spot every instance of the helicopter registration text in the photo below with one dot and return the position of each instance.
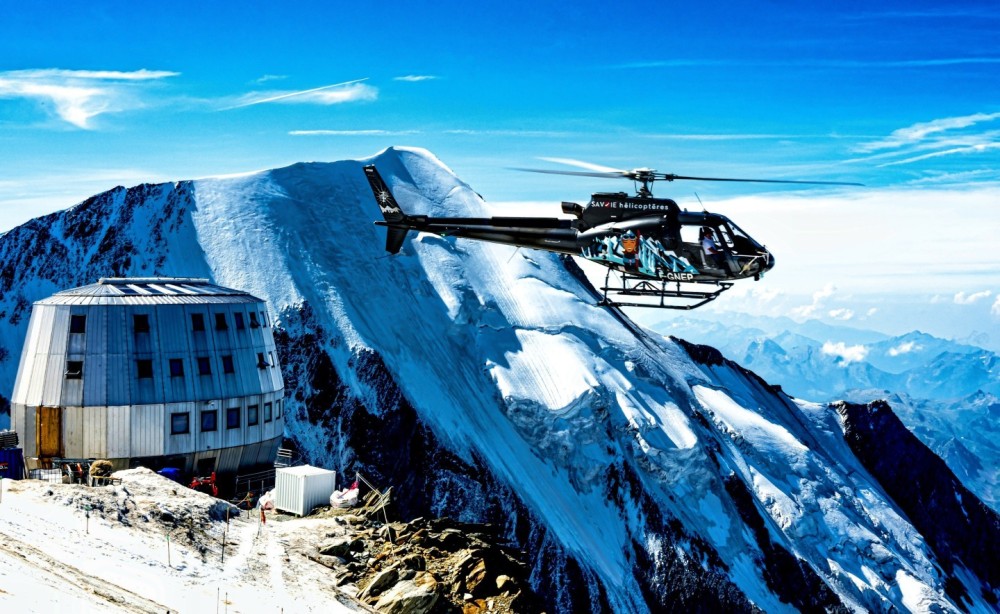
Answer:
(679, 276)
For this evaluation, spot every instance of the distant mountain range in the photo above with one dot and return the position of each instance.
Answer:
(945, 391)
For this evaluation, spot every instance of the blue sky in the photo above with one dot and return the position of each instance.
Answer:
(904, 97)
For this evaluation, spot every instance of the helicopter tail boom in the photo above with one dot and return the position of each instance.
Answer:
(396, 222)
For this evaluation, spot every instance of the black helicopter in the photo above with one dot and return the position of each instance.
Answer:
(658, 250)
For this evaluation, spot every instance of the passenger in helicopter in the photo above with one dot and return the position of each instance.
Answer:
(713, 253)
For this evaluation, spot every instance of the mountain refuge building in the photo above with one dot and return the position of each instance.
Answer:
(158, 372)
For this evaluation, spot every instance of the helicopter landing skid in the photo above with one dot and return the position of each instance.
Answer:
(637, 286)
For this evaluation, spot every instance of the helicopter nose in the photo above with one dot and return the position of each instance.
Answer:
(768, 260)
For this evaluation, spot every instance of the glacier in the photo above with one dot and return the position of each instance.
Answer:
(639, 473)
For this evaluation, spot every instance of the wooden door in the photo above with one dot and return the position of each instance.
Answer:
(48, 432)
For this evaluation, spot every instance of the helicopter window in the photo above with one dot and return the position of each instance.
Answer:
(689, 234)
(736, 231)
(723, 231)
(742, 243)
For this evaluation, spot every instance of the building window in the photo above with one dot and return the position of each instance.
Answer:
(209, 421)
(140, 323)
(197, 321)
(74, 369)
(204, 365)
(78, 324)
(227, 364)
(267, 412)
(253, 320)
(252, 417)
(176, 367)
(233, 418)
(145, 368)
(238, 317)
(180, 424)
(220, 322)
(277, 410)
(261, 363)
(270, 359)
(263, 318)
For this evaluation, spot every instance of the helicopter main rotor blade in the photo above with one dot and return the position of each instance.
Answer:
(602, 175)
(671, 177)
(590, 166)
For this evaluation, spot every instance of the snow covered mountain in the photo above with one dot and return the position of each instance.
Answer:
(945, 392)
(640, 473)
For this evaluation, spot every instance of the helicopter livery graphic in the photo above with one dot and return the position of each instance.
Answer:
(663, 256)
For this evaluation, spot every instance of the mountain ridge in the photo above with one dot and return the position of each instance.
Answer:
(494, 387)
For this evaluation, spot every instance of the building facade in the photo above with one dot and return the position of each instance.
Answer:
(159, 372)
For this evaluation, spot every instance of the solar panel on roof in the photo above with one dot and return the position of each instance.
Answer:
(179, 288)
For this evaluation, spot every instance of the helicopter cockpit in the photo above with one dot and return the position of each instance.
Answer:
(739, 255)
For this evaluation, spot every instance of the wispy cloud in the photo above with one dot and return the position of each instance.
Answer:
(970, 149)
(352, 132)
(518, 133)
(416, 78)
(725, 137)
(945, 137)
(963, 177)
(968, 299)
(921, 131)
(807, 63)
(335, 93)
(78, 96)
(995, 309)
(266, 78)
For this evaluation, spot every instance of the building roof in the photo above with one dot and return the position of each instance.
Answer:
(149, 291)
(304, 470)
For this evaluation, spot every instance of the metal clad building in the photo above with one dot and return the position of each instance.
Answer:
(155, 371)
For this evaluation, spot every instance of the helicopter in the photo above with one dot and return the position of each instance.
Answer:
(663, 256)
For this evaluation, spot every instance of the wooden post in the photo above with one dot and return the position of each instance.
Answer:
(168, 550)
(225, 533)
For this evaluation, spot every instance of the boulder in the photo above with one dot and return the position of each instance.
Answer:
(385, 579)
(475, 607)
(476, 576)
(452, 540)
(338, 546)
(414, 561)
(416, 596)
(387, 533)
(418, 536)
(506, 583)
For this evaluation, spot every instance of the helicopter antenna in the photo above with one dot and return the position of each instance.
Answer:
(700, 203)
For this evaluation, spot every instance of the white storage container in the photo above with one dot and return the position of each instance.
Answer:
(300, 489)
